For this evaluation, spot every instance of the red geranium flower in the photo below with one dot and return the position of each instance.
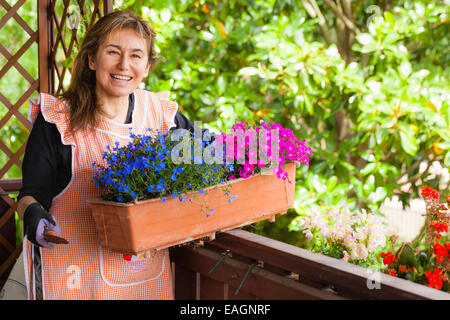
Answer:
(430, 193)
(440, 251)
(392, 272)
(434, 278)
(389, 258)
(439, 226)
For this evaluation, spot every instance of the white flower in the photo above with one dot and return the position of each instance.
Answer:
(308, 234)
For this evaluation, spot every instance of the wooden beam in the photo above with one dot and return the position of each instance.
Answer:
(11, 184)
(260, 283)
(108, 6)
(45, 43)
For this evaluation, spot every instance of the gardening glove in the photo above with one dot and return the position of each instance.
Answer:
(35, 220)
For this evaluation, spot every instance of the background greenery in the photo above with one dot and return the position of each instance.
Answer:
(364, 82)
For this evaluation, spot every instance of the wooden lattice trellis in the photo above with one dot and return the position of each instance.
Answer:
(69, 25)
(60, 25)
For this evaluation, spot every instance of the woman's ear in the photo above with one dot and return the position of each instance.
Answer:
(91, 62)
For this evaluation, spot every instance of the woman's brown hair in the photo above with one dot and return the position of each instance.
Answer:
(81, 92)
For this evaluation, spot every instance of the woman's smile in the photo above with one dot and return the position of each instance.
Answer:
(120, 77)
(120, 80)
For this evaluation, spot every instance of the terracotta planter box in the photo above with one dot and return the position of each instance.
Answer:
(136, 227)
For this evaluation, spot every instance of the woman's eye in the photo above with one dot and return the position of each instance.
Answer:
(136, 56)
(113, 52)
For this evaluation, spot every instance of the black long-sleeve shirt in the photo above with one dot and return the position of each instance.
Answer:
(46, 168)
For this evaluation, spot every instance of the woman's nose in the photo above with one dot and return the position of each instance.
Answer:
(124, 63)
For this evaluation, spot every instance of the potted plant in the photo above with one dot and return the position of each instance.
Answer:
(426, 259)
(166, 189)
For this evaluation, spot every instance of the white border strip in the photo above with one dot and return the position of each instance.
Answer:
(25, 264)
(42, 275)
(34, 272)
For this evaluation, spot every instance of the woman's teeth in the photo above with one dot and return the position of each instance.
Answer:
(120, 77)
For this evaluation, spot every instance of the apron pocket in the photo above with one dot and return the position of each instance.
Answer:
(118, 269)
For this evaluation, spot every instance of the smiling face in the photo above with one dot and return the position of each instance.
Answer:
(120, 64)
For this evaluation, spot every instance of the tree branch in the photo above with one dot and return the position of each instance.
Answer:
(347, 6)
(314, 11)
(343, 36)
(349, 24)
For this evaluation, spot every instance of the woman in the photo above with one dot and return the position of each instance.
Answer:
(69, 133)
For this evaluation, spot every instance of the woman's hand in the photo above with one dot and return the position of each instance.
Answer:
(36, 220)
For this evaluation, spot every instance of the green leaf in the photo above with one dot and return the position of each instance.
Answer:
(389, 17)
(408, 143)
(364, 38)
(292, 84)
(347, 166)
(407, 256)
(308, 105)
(380, 134)
(331, 183)
(221, 84)
(447, 159)
(379, 195)
(408, 140)
(248, 71)
(368, 168)
(405, 69)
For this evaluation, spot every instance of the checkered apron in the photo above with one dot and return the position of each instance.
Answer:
(83, 269)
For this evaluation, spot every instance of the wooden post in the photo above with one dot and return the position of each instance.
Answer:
(46, 83)
(108, 6)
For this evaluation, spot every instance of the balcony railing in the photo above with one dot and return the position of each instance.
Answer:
(242, 265)
(256, 267)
